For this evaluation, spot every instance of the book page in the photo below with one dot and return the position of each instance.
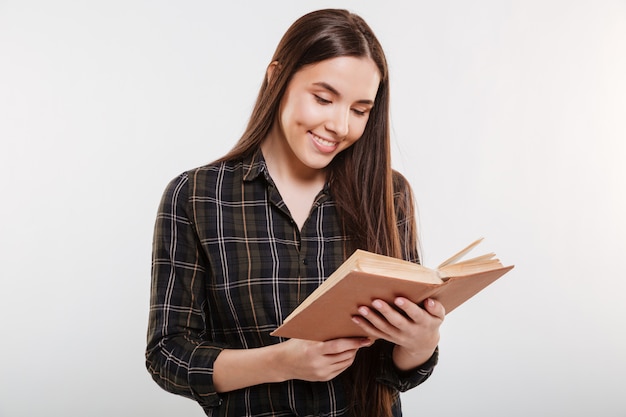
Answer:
(454, 258)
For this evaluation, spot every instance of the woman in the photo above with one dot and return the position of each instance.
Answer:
(239, 243)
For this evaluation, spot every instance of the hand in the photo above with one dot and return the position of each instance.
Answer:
(319, 361)
(294, 359)
(414, 330)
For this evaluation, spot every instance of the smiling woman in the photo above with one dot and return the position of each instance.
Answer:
(239, 243)
(508, 120)
(323, 112)
(328, 102)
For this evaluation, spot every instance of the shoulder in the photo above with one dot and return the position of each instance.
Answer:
(201, 180)
(180, 187)
(175, 187)
(220, 180)
(217, 178)
(213, 169)
(406, 217)
(224, 173)
(403, 197)
(401, 186)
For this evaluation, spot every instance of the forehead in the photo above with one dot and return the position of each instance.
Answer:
(354, 77)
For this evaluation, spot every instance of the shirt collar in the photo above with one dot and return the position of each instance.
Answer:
(254, 166)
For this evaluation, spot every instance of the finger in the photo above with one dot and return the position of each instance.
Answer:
(368, 328)
(346, 344)
(328, 371)
(435, 308)
(394, 317)
(384, 320)
(339, 367)
(409, 308)
(338, 358)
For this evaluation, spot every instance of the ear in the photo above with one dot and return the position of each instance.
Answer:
(271, 68)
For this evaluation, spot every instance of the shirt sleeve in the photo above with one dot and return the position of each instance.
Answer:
(178, 355)
(404, 381)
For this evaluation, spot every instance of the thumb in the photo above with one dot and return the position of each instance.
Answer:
(434, 308)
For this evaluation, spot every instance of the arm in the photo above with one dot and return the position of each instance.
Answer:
(178, 355)
(293, 359)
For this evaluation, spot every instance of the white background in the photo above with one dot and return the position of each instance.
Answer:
(509, 119)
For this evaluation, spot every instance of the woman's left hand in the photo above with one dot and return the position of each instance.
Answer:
(413, 329)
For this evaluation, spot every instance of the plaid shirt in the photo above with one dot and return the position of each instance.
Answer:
(229, 264)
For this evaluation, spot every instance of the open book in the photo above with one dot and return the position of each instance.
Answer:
(327, 313)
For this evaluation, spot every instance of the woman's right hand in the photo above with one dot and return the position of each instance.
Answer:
(293, 359)
(318, 361)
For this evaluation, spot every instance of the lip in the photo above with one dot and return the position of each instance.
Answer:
(323, 144)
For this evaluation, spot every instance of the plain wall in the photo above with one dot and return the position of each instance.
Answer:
(509, 119)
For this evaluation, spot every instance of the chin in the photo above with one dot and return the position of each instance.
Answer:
(316, 165)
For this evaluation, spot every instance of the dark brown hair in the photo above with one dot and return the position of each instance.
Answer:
(361, 177)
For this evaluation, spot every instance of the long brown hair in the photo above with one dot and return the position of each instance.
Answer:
(361, 177)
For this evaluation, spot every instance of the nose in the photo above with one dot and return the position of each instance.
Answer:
(339, 123)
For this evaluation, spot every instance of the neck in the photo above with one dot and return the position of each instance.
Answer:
(285, 166)
(297, 183)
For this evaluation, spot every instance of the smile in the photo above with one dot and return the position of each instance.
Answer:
(323, 142)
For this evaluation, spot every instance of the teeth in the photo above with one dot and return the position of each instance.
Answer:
(322, 141)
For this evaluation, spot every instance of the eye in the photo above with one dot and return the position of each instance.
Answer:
(359, 112)
(321, 100)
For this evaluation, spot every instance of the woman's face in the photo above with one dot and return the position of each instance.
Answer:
(325, 109)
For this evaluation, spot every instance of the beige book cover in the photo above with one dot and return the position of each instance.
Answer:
(327, 313)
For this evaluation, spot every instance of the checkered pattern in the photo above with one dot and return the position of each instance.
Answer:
(229, 264)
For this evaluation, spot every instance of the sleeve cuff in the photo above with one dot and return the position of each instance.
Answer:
(200, 375)
(403, 381)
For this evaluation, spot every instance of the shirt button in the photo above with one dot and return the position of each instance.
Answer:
(304, 261)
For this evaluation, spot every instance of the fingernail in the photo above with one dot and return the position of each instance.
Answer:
(377, 304)
(431, 303)
(399, 301)
(356, 320)
(363, 311)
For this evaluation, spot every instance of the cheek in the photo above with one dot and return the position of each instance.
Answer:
(312, 113)
(298, 111)
(357, 127)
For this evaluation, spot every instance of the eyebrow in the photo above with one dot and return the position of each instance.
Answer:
(338, 94)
